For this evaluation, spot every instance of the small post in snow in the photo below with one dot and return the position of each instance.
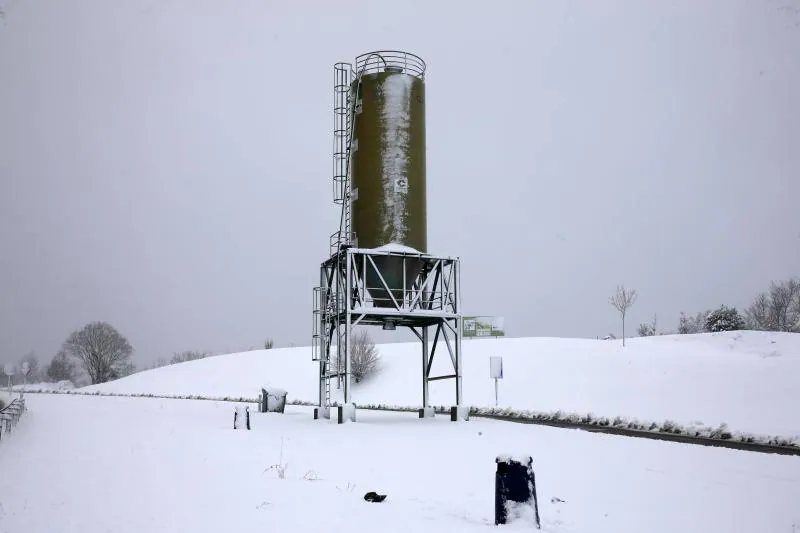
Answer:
(495, 372)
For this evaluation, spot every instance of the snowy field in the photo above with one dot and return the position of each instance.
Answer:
(745, 379)
(93, 464)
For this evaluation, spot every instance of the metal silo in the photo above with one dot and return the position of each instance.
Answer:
(387, 158)
(388, 151)
(379, 271)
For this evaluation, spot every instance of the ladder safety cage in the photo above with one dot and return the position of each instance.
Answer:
(341, 130)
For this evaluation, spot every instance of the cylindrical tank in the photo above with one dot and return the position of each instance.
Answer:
(388, 184)
(388, 151)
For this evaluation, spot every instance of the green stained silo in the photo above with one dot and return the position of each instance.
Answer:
(388, 152)
(387, 158)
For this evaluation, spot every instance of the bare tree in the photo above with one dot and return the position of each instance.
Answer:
(688, 325)
(622, 300)
(125, 369)
(269, 344)
(34, 371)
(758, 314)
(61, 368)
(158, 363)
(795, 309)
(103, 351)
(786, 304)
(364, 356)
(188, 355)
(778, 309)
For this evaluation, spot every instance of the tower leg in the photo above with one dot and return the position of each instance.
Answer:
(425, 362)
(321, 402)
(426, 411)
(458, 361)
(347, 410)
(347, 328)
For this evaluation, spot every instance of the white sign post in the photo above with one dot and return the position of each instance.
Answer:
(495, 372)
(9, 370)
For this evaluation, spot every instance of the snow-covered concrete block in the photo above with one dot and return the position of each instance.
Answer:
(347, 413)
(273, 400)
(427, 412)
(459, 412)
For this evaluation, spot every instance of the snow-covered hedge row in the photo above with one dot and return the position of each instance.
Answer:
(721, 432)
(145, 395)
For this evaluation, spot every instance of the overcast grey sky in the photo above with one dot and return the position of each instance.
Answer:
(165, 164)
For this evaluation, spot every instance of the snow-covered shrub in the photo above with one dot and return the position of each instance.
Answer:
(649, 330)
(724, 319)
(692, 324)
(364, 357)
(646, 330)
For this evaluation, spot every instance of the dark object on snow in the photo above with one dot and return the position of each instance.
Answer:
(514, 482)
(374, 497)
(246, 416)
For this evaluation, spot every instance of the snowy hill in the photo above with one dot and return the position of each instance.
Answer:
(746, 379)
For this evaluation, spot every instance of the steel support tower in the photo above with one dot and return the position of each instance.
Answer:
(423, 294)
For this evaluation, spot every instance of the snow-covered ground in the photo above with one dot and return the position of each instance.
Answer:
(745, 379)
(79, 464)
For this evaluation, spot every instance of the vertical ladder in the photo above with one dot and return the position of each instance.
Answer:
(342, 124)
(340, 328)
(318, 338)
(327, 384)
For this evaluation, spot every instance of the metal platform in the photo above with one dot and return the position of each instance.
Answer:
(425, 296)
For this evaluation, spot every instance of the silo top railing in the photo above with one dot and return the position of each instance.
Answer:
(390, 61)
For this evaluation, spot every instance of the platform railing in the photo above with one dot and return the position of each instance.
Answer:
(390, 61)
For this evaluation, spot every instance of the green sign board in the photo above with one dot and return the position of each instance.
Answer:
(483, 326)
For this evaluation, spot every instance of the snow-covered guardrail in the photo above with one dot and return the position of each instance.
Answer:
(719, 436)
(10, 415)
